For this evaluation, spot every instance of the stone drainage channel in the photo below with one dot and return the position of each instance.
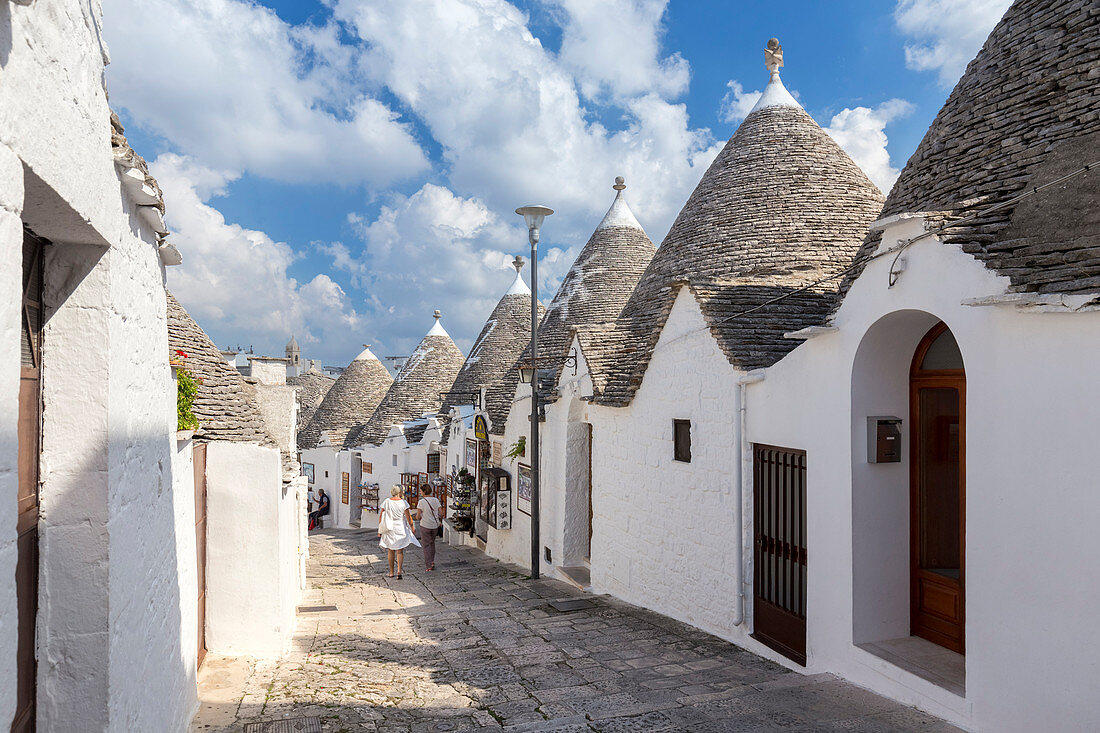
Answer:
(477, 646)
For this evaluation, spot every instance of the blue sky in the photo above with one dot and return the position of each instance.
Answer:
(338, 169)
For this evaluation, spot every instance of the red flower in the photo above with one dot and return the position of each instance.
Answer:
(181, 353)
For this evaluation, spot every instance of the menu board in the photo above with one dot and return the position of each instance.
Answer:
(345, 488)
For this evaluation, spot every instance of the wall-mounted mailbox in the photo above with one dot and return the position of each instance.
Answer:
(883, 439)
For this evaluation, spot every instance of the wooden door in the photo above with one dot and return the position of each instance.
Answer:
(198, 457)
(30, 441)
(937, 491)
(779, 542)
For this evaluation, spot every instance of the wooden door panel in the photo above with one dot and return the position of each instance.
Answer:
(198, 457)
(938, 492)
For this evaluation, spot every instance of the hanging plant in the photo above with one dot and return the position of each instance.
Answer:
(517, 449)
(186, 390)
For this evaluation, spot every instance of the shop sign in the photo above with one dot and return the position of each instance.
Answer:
(481, 429)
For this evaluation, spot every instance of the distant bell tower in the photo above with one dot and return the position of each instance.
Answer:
(293, 358)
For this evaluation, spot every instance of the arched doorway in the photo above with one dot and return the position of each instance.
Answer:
(937, 403)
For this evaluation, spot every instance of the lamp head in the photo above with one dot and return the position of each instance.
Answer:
(533, 216)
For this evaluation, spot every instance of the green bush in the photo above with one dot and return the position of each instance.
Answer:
(186, 389)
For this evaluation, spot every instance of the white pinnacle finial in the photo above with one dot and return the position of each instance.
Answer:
(775, 94)
(366, 354)
(518, 286)
(620, 183)
(437, 329)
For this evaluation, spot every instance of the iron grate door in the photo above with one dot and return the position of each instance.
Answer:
(779, 561)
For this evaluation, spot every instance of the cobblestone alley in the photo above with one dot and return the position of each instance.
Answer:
(478, 646)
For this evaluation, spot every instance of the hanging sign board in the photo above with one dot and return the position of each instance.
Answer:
(345, 488)
(498, 451)
(481, 430)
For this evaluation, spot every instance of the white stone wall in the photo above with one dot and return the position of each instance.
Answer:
(330, 462)
(664, 532)
(252, 566)
(110, 642)
(1030, 645)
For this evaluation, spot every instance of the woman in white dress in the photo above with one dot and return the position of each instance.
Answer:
(395, 528)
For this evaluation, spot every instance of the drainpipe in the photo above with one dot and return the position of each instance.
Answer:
(744, 467)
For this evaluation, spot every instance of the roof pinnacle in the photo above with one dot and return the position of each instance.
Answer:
(773, 56)
(438, 314)
(518, 263)
(620, 183)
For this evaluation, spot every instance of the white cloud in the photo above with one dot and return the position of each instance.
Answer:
(230, 84)
(614, 47)
(432, 250)
(234, 281)
(947, 33)
(509, 118)
(861, 132)
(737, 103)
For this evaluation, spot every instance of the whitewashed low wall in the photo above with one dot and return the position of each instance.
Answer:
(252, 583)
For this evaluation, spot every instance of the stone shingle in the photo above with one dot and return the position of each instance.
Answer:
(418, 388)
(225, 406)
(595, 288)
(311, 386)
(491, 363)
(780, 206)
(1026, 112)
(349, 402)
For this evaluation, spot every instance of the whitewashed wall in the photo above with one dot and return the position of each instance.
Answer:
(664, 535)
(1031, 649)
(109, 626)
(330, 461)
(252, 582)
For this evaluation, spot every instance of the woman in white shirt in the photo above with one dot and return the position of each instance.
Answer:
(429, 512)
(395, 528)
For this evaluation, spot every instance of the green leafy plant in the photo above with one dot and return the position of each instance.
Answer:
(186, 390)
(517, 449)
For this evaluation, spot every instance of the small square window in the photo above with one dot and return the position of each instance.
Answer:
(395, 459)
(681, 440)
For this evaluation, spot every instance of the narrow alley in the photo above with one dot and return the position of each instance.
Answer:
(476, 645)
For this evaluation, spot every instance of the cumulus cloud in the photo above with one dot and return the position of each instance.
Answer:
(234, 281)
(947, 33)
(737, 103)
(233, 86)
(861, 131)
(614, 48)
(509, 118)
(434, 249)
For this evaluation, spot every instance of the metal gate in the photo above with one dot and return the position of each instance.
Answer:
(198, 457)
(30, 440)
(779, 521)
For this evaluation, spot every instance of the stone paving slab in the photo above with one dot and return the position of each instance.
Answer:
(476, 646)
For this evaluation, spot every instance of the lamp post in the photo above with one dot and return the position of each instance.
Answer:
(533, 217)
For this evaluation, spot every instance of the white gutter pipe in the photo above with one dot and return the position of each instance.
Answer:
(743, 469)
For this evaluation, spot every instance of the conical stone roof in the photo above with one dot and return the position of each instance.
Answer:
(225, 405)
(418, 388)
(311, 386)
(1026, 112)
(599, 282)
(781, 206)
(491, 361)
(349, 403)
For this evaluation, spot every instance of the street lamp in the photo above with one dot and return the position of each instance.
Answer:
(533, 216)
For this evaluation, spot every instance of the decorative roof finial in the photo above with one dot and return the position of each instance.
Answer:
(773, 55)
(620, 183)
(366, 346)
(438, 315)
(518, 263)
